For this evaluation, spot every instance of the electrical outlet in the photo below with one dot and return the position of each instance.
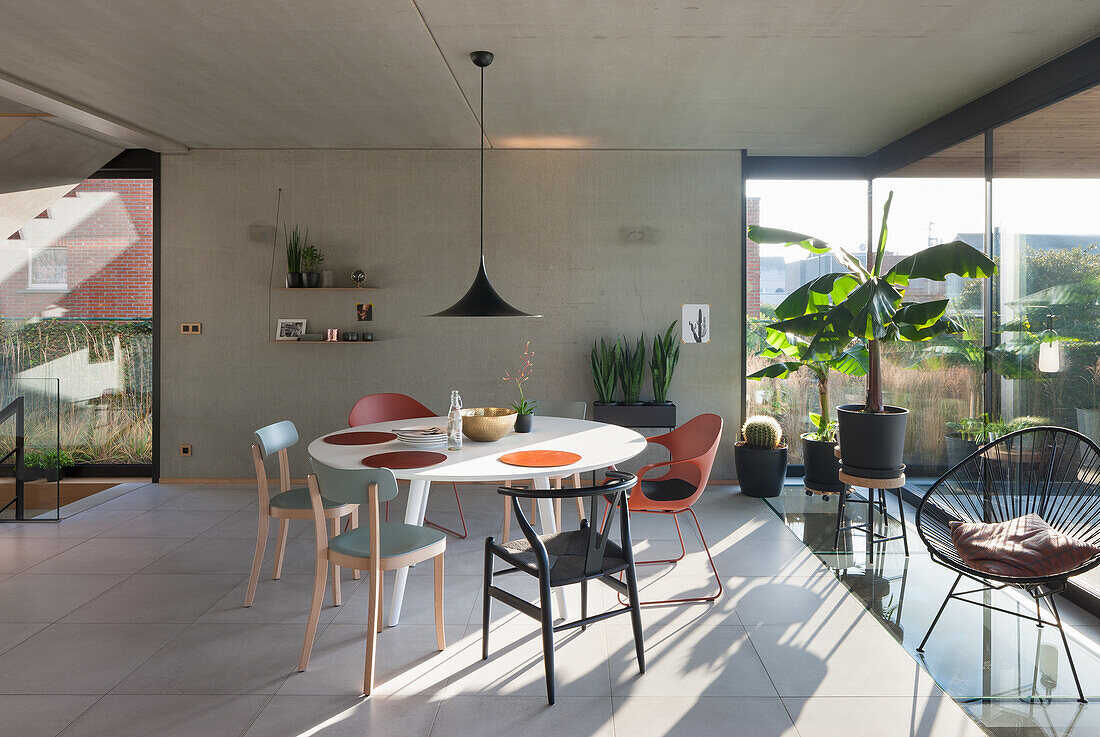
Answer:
(185, 450)
(190, 328)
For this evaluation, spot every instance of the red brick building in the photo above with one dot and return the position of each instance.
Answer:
(88, 256)
(752, 260)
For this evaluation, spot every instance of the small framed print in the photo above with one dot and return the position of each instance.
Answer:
(695, 323)
(290, 328)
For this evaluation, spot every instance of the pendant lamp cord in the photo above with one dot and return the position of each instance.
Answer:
(482, 127)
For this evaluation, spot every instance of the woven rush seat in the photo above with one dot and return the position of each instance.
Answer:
(567, 552)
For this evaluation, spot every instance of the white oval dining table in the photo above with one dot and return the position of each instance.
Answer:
(599, 445)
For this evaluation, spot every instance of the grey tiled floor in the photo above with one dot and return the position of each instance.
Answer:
(127, 620)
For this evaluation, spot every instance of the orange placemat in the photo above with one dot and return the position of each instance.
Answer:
(404, 459)
(360, 438)
(539, 458)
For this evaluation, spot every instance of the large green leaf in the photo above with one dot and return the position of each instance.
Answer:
(881, 249)
(760, 234)
(875, 304)
(852, 362)
(834, 336)
(936, 262)
(817, 295)
(921, 314)
(1085, 293)
(782, 344)
(776, 371)
(804, 325)
(916, 334)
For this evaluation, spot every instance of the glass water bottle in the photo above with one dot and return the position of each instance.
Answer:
(454, 422)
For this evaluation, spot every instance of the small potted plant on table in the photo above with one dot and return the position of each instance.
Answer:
(312, 258)
(295, 242)
(761, 457)
(47, 465)
(525, 408)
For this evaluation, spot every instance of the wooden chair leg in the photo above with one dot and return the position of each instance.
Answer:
(440, 638)
(280, 549)
(355, 526)
(381, 602)
(507, 519)
(336, 596)
(258, 557)
(580, 504)
(320, 574)
(374, 614)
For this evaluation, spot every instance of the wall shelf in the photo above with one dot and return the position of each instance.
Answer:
(322, 342)
(325, 289)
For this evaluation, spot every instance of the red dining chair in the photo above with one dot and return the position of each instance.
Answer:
(692, 446)
(391, 407)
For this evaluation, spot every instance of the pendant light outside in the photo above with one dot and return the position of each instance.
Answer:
(481, 300)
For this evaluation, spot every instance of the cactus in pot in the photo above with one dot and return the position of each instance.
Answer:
(761, 457)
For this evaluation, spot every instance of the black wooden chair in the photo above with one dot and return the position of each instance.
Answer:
(564, 558)
(1049, 471)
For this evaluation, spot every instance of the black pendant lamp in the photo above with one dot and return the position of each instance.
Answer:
(482, 300)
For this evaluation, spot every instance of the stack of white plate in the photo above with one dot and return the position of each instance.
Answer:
(424, 436)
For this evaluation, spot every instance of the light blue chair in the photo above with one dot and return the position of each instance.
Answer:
(286, 505)
(381, 546)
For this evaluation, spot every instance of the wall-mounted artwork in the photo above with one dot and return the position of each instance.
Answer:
(695, 323)
(289, 328)
(364, 313)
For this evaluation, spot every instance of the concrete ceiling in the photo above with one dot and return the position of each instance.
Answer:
(817, 77)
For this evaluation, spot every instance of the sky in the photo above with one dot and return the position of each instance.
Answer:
(835, 211)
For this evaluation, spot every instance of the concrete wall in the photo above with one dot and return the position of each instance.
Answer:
(556, 225)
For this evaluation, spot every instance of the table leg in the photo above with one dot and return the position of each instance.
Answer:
(414, 515)
(549, 526)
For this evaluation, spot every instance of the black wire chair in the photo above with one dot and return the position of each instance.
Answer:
(564, 558)
(1049, 471)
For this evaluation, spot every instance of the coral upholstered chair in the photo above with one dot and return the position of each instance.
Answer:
(391, 407)
(692, 446)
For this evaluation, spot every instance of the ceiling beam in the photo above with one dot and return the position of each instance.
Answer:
(94, 122)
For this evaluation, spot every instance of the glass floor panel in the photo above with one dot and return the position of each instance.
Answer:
(1011, 676)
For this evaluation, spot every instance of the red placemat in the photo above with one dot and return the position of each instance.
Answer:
(404, 459)
(539, 458)
(360, 438)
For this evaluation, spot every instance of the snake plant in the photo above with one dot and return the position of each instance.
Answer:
(603, 361)
(632, 370)
(666, 353)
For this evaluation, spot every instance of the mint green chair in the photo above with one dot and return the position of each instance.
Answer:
(381, 546)
(286, 505)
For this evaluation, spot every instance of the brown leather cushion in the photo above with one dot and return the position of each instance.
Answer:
(1024, 547)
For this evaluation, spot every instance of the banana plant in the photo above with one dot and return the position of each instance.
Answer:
(632, 370)
(792, 353)
(666, 354)
(866, 304)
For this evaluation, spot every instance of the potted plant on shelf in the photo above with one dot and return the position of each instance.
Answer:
(666, 354)
(964, 436)
(866, 305)
(761, 457)
(603, 362)
(296, 243)
(525, 408)
(632, 371)
(312, 258)
(48, 465)
(792, 353)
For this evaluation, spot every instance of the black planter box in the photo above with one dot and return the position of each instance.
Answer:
(636, 415)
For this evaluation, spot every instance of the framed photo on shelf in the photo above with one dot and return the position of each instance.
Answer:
(289, 328)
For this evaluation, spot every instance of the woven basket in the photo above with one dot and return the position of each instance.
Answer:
(486, 424)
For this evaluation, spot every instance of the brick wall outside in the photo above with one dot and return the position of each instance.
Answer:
(109, 253)
(752, 260)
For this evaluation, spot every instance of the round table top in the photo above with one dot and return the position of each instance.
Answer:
(599, 446)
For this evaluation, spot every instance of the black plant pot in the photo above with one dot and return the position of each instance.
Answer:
(760, 471)
(872, 444)
(821, 464)
(958, 449)
(311, 279)
(294, 279)
(523, 423)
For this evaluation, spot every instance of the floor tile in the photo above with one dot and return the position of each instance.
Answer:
(13, 633)
(109, 555)
(28, 597)
(285, 601)
(690, 716)
(210, 499)
(83, 525)
(524, 716)
(168, 523)
(418, 607)
(80, 658)
(178, 598)
(212, 555)
(407, 662)
(345, 716)
(145, 498)
(244, 523)
(167, 716)
(20, 554)
(220, 659)
(913, 716)
(41, 716)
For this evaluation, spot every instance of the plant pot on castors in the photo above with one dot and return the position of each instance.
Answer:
(761, 458)
(822, 467)
(872, 443)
